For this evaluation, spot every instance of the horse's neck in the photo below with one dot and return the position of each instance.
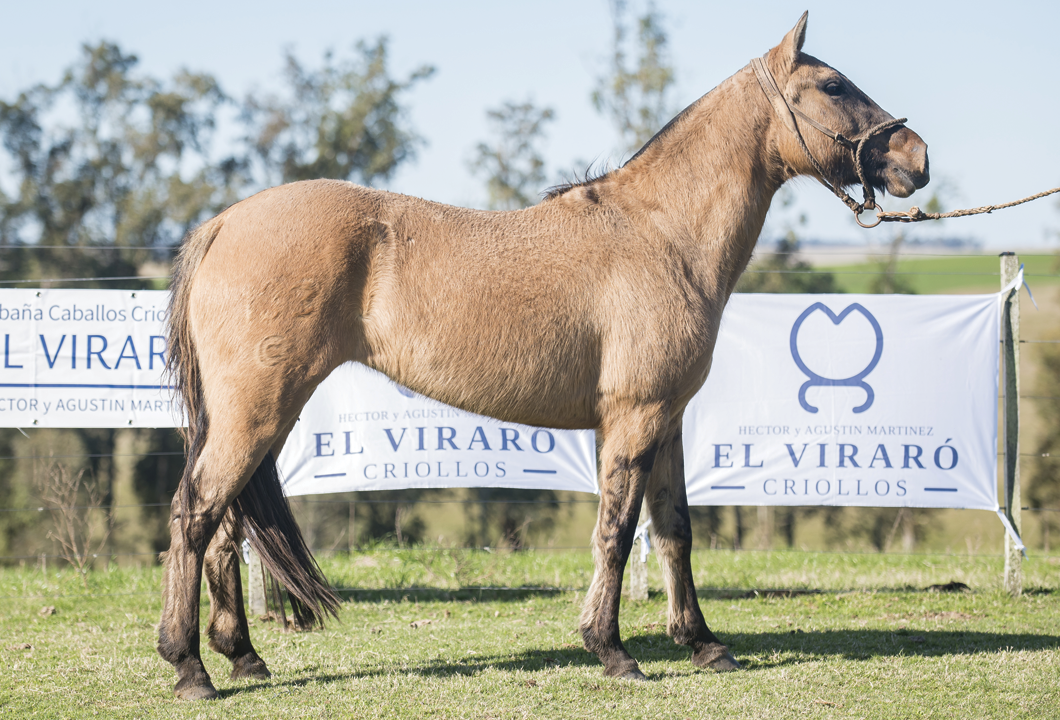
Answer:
(710, 179)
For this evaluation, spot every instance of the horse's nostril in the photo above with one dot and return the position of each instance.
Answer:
(925, 174)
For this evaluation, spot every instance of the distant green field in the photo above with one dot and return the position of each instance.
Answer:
(932, 275)
(434, 632)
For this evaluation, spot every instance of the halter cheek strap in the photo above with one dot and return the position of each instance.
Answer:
(787, 114)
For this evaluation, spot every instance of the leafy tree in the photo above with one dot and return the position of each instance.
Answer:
(513, 166)
(110, 162)
(106, 170)
(889, 282)
(344, 120)
(636, 96)
(782, 271)
(109, 168)
(1043, 490)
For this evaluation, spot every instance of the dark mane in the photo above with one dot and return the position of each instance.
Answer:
(592, 175)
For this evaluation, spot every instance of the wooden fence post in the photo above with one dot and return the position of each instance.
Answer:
(256, 586)
(1010, 336)
(638, 559)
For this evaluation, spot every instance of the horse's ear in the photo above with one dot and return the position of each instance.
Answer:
(787, 52)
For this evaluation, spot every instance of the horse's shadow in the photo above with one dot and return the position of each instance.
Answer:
(463, 594)
(764, 650)
(756, 651)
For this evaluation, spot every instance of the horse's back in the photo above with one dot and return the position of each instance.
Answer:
(471, 307)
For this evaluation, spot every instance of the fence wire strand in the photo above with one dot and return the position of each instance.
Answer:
(87, 279)
(804, 251)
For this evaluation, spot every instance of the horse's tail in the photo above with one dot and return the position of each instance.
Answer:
(182, 364)
(182, 361)
(261, 509)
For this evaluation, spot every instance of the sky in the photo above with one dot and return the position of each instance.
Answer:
(977, 81)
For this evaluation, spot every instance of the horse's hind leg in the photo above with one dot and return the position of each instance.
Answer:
(672, 536)
(626, 458)
(226, 463)
(227, 627)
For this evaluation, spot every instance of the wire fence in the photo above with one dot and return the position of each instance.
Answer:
(975, 277)
(751, 271)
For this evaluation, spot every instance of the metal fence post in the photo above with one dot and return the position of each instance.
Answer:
(1010, 335)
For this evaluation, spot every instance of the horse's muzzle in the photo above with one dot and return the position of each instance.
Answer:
(906, 167)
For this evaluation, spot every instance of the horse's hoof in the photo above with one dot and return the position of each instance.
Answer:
(715, 656)
(625, 671)
(251, 667)
(202, 690)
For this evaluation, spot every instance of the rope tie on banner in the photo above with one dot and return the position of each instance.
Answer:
(1012, 532)
(1028, 286)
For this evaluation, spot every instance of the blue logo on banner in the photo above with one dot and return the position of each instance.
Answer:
(403, 390)
(852, 381)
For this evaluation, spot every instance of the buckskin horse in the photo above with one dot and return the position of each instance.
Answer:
(597, 308)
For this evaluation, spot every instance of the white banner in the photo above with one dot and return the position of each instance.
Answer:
(872, 400)
(361, 431)
(84, 358)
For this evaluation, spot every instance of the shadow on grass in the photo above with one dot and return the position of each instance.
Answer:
(756, 651)
(514, 594)
(773, 649)
(738, 593)
(428, 594)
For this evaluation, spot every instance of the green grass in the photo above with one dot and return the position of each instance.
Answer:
(868, 641)
(933, 275)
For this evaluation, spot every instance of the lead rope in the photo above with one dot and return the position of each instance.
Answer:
(787, 113)
(915, 214)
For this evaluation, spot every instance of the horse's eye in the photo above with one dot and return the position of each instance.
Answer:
(833, 88)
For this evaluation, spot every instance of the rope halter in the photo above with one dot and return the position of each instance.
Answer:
(787, 114)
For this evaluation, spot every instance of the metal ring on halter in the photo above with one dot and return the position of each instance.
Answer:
(879, 219)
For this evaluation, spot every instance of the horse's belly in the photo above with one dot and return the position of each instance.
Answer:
(512, 373)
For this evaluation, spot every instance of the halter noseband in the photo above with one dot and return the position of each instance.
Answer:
(856, 147)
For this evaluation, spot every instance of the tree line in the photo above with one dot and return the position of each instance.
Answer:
(107, 169)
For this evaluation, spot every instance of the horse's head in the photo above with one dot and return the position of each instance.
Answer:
(822, 101)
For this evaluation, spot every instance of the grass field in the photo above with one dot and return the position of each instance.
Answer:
(852, 635)
(864, 639)
(949, 274)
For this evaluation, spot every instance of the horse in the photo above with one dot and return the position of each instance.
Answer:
(597, 308)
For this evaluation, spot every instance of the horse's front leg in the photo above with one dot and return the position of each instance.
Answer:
(630, 442)
(227, 628)
(672, 535)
